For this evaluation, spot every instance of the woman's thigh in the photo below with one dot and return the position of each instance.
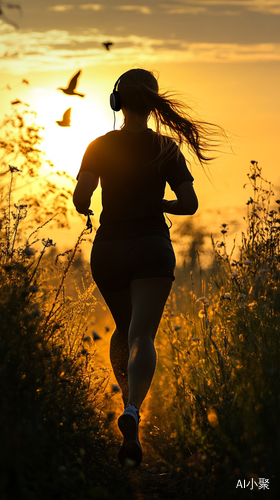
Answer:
(119, 303)
(148, 298)
(139, 308)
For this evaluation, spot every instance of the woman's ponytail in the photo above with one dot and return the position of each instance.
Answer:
(138, 91)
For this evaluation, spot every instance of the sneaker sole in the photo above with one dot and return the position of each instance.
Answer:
(130, 454)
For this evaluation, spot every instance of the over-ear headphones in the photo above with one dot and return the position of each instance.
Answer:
(115, 101)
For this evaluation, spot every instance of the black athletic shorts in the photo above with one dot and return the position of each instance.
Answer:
(115, 263)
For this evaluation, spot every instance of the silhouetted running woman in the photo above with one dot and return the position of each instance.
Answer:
(132, 258)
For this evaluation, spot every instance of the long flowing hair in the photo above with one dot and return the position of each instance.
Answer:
(139, 92)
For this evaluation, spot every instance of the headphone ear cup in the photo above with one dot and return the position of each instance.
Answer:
(115, 102)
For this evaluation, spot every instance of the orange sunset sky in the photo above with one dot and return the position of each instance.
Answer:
(221, 56)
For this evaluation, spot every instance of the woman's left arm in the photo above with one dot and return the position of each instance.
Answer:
(87, 183)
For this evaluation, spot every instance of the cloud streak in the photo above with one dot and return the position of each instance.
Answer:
(91, 6)
(206, 6)
(56, 49)
(61, 8)
(138, 8)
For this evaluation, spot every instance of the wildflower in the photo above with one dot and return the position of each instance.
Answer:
(241, 296)
(212, 417)
(84, 352)
(224, 225)
(196, 339)
(14, 169)
(250, 201)
(227, 296)
(219, 245)
(253, 304)
(233, 275)
(115, 388)
(33, 289)
(203, 300)
(248, 262)
(48, 242)
(87, 339)
(177, 327)
(277, 201)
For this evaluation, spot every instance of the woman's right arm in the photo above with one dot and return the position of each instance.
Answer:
(186, 203)
(87, 183)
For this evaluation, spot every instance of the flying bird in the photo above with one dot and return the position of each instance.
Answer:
(107, 45)
(9, 6)
(70, 90)
(65, 122)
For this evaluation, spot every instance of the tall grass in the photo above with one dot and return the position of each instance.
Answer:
(214, 404)
(52, 429)
(218, 374)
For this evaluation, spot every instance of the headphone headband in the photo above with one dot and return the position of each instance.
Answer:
(115, 102)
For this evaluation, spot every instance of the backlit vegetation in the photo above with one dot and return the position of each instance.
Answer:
(214, 407)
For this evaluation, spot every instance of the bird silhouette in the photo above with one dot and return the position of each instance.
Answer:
(65, 122)
(70, 90)
(6, 19)
(107, 45)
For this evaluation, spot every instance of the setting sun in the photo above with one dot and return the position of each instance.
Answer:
(65, 146)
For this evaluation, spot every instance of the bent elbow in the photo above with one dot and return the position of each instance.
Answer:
(81, 205)
(193, 208)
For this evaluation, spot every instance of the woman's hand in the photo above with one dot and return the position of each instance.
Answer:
(87, 183)
(186, 203)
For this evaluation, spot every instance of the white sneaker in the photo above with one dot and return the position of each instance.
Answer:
(130, 454)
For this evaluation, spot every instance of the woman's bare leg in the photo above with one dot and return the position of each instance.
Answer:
(137, 312)
(119, 355)
(119, 304)
(148, 298)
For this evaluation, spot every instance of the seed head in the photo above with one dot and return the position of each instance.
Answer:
(28, 251)
(203, 300)
(115, 388)
(96, 336)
